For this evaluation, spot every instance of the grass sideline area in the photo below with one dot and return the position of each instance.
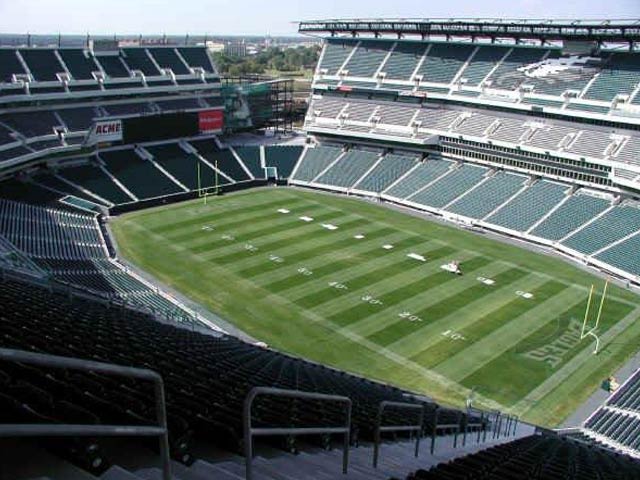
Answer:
(326, 289)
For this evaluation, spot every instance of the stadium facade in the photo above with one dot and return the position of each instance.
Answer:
(525, 129)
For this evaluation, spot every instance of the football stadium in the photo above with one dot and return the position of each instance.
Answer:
(434, 274)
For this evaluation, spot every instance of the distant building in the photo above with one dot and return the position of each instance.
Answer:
(236, 49)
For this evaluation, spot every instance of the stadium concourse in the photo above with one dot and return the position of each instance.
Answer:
(536, 142)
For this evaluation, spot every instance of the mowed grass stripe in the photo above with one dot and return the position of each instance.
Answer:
(492, 346)
(482, 327)
(306, 254)
(240, 223)
(252, 230)
(349, 257)
(447, 305)
(292, 250)
(372, 276)
(403, 292)
(429, 334)
(374, 323)
(171, 226)
(293, 236)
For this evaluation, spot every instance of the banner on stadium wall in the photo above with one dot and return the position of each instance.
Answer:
(210, 120)
(105, 132)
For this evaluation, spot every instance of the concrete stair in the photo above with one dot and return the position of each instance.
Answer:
(396, 460)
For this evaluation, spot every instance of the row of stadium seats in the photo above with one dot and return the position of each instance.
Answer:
(535, 457)
(206, 377)
(124, 176)
(69, 247)
(75, 119)
(405, 64)
(45, 64)
(546, 135)
(548, 211)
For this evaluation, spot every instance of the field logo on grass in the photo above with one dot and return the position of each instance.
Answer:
(554, 352)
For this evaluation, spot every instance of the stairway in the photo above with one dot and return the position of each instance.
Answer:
(396, 460)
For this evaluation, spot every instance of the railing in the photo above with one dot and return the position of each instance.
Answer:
(250, 432)
(396, 428)
(43, 429)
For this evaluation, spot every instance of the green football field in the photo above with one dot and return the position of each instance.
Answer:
(340, 288)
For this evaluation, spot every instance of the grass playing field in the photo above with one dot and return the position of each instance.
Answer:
(311, 289)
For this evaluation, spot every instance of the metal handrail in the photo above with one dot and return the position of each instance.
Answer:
(396, 428)
(71, 430)
(250, 432)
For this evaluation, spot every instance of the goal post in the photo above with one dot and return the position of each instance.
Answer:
(204, 190)
(591, 332)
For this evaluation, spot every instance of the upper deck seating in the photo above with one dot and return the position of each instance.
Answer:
(620, 75)
(9, 65)
(77, 119)
(138, 59)
(113, 66)
(32, 124)
(79, 62)
(167, 57)
(336, 52)
(403, 60)
(367, 58)
(482, 63)
(443, 62)
(197, 57)
(507, 76)
(42, 63)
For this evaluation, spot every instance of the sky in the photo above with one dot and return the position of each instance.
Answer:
(276, 17)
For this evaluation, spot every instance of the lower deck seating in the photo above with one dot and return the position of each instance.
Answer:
(351, 167)
(139, 176)
(425, 173)
(483, 200)
(451, 186)
(390, 169)
(538, 457)
(614, 225)
(224, 160)
(182, 165)
(523, 211)
(93, 179)
(618, 426)
(314, 162)
(283, 157)
(576, 211)
(251, 158)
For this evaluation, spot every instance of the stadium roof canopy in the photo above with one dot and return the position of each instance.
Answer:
(612, 30)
